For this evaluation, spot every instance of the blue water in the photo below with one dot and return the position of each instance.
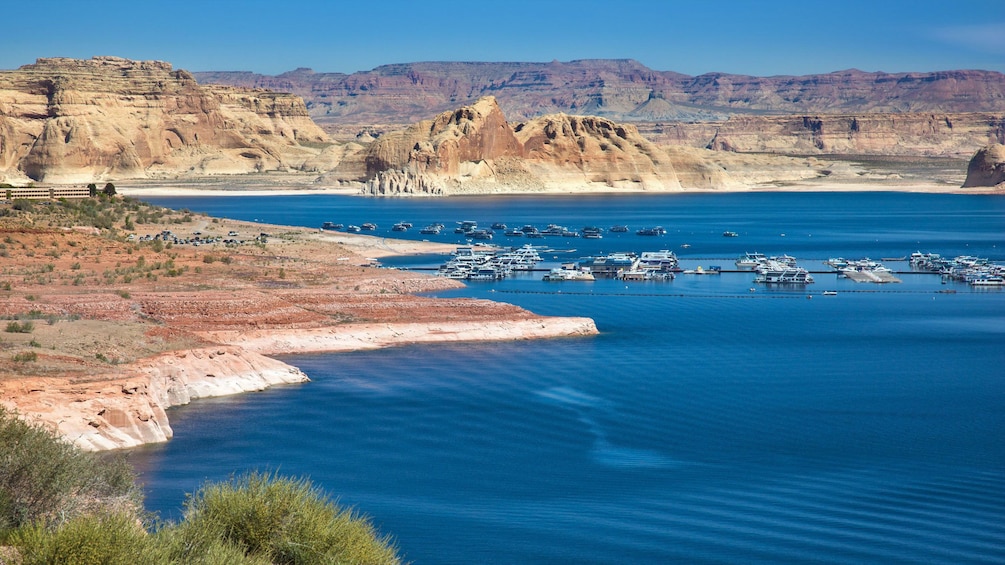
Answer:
(705, 424)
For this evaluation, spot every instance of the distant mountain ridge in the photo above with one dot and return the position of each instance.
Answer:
(619, 89)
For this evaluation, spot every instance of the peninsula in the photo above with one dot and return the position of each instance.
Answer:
(109, 321)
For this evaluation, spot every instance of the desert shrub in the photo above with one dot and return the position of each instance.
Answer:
(285, 520)
(46, 481)
(25, 357)
(104, 539)
(190, 548)
(20, 328)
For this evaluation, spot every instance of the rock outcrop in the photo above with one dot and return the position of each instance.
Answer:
(129, 410)
(68, 120)
(586, 149)
(475, 150)
(987, 167)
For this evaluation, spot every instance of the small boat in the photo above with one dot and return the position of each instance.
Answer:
(730, 234)
(499, 226)
(904, 258)
(330, 226)
(619, 229)
(432, 229)
(368, 226)
(353, 229)
(400, 226)
(830, 293)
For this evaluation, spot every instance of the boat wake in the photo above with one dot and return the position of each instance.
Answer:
(603, 452)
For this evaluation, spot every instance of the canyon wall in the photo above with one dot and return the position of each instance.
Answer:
(619, 89)
(67, 120)
(935, 134)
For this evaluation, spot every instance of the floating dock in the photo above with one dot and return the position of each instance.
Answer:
(879, 277)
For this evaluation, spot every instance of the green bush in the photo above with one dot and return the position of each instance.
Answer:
(59, 505)
(19, 328)
(287, 521)
(25, 357)
(46, 481)
(110, 539)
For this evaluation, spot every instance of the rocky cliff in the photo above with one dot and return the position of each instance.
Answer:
(987, 167)
(622, 90)
(474, 149)
(68, 120)
(936, 134)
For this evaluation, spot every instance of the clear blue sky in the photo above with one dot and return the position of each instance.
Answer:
(757, 37)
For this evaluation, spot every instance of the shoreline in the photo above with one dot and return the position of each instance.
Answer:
(130, 409)
(125, 407)
(813, 185)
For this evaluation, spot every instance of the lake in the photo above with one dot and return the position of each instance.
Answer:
(706, 423)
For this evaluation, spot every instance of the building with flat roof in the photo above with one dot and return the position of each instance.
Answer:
(53, 193)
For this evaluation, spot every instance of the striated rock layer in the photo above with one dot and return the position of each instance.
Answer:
(69, 120)
(475, 150)
(618, 89)
(942, 134)
(987, 167)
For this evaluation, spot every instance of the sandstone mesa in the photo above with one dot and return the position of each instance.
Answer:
(75, 121)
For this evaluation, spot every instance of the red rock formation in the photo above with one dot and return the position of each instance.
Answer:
(599, 150)
(474, 149)
(68, 120)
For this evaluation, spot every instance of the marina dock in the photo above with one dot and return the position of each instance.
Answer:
(878, 276)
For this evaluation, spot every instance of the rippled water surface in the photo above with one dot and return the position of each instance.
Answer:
(706, 424)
